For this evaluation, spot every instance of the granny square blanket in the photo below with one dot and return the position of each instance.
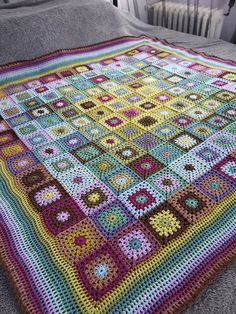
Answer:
(118, 177)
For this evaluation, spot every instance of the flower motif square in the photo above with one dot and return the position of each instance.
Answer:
(88, 152)
(218, 121)
(40, 111)
(147, 121)
(214, 185)
(189, 167)
(112, 218)
(136, 243)
(163, 98)
(198, 113)
(46, 195)
(79, 240)
(122, 180)
(146, 165)
(141, 198)
(185, 141)
(227, 168)
(191, 203)
(166, 153)
(147, 141)
(94, 197)
(101, 271)
(59, 104)
(164, 222)
(61, 216)
(166, 182)
(113, 121)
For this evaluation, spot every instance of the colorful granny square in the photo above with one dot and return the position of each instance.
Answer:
(146, 165)
(93, 197)
(166, 182)
(166, 153)
(215, 186)
(191, 203)
(127, 152)
(112, 218)
(88, 152)
(227, 167)
(164, 222)
(79, 240)
(140, 199)
(61, 216)
(101, 271)
(136, 243)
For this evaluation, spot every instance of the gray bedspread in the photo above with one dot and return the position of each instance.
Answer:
(33, 30)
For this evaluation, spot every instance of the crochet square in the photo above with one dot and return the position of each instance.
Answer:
(33, 178)
(49, 120)
(185, 141)
(166, 130)
(141, 198)
(135, 244)
(46, 195)
(122, 180)
(146, 165)
(218, 121)
(201, 130)
(147, 141)
(73, 141)
(12, 149)
(61, 164)
(93, 131)
(227, 167)
(208, 154)
(40, 111)
(110, 141)
(101, 271)
(21, 162)
(228, 110)
(224, 141)
(61, 216)
(191, 203)
(19, 119)
(48, 151)
(76, 179)
(127, 152)
(166, 152)
(189, 167)
(93, 197)
(166, 182)
(215, 186)
(112, 218)
(79, 240)
(182, 121)
(165, 223)
(88, 152)
(103, 166)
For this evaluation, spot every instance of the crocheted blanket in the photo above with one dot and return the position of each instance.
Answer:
(118, 176)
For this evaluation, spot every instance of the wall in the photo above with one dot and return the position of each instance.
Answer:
(229, 25)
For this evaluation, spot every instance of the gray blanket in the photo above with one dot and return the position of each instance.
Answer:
(32, 30)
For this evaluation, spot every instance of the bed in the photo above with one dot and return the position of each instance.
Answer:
(37, 29)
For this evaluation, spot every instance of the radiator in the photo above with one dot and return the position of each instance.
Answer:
(176, 16)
